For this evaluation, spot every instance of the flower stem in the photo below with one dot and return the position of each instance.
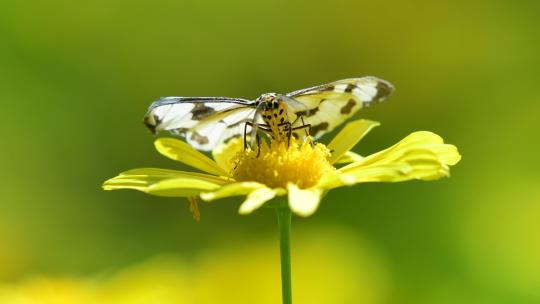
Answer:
(284, 223)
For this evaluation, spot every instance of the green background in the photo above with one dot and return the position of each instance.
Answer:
(76, 78)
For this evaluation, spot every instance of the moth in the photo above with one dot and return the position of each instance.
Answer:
(205, 122)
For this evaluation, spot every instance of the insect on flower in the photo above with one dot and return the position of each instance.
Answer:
(206, 122)
(299, 169)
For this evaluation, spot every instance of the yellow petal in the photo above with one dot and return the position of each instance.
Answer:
(180, 151)
(176, 173)
(349, 157)
(423, 168)
(421, 155)
(332, 180)
(304, 202)
(167, 173)
(416, 140)
(256, 199)
(224, 153)
(181, 187)
(447, 154)
(161, 182)
(349, 136)
(235, 189)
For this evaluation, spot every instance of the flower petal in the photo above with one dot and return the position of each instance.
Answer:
(165, 173)
(349, 157)
(164, 182)
(421, 155)
(416, 140)
(224, 153)
(234, 189)
(447, 154)
(423, 167)
(256, 199)
(349, 136)
(304, 202)
(178, 150)
(181, 187)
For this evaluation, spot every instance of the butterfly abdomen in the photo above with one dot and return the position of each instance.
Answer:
(274, 114)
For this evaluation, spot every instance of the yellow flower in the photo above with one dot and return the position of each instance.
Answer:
(302, 171)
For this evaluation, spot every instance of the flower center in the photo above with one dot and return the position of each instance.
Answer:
(279, 164)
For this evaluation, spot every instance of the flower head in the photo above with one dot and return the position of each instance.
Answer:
(301, 170)
(279, 163)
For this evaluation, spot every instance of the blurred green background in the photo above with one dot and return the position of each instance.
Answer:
(76, 78)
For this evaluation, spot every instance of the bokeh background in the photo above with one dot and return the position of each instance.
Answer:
(77, 76)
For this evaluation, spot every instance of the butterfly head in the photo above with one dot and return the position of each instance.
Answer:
(266, 101)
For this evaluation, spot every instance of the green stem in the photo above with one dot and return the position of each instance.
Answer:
(284, 223)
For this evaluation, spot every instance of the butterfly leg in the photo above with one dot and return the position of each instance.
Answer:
(304, 124)
(261, 127)
(305, 127)
(245, 134)
(285, 127)
(289, 130)
(258, 145)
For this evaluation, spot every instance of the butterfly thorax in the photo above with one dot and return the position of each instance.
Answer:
(274, 115)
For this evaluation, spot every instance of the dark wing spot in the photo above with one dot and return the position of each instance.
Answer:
(280, 111)
(234, 125)
(157, 120)
(384, 89)
(201, 140)
(200, 111)
(348, 107)
(180, 131)
(226, 140)
(328, 88)
(275, 115)
(282, 120)
(349, 88)
(308, 113)
(311, 112)
(313, 130)
(151, 122)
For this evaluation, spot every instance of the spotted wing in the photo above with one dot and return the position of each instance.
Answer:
(203, 121)
(326, 106)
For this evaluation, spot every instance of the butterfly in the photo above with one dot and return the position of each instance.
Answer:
(206, 122)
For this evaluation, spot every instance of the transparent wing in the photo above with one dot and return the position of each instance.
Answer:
(326, 106)
(203, 121)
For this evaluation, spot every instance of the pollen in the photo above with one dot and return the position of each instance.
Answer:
(279, 163)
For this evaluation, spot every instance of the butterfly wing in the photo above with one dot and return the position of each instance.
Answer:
(203, 121)
(326, 106)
